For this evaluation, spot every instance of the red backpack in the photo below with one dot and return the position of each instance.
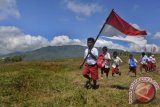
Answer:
(100, 61)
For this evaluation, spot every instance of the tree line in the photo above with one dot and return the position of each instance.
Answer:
(16, 58)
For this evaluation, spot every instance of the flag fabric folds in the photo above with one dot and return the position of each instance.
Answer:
(117, 28)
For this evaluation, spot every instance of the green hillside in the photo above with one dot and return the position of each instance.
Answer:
(53, 52)
(60, 83)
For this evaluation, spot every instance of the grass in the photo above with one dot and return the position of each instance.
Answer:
(60, 83)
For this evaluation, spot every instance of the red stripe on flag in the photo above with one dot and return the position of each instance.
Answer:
(120, 24)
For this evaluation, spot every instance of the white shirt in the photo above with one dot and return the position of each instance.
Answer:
(116, 61)
(107, 57)
(144, 59)
(89, 59)
(153, 60)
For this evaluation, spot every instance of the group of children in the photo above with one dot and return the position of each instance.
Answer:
(105, 62)
(148, 62)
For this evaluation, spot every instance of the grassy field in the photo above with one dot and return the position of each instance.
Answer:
(60, 84)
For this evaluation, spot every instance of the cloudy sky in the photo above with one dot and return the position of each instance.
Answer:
(31, 24)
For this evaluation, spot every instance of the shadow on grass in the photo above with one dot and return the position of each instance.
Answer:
(119, 87)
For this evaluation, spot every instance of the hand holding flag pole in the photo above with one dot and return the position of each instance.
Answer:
(95, 41)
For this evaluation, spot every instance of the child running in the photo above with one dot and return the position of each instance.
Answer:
(115, 63)
(106, 62)
(91, 68)
(132, 64)
(143, 62)
(153, 64)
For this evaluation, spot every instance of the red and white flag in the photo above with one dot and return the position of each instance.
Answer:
(117, 28)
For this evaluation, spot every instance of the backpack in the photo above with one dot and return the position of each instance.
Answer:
(100, 61)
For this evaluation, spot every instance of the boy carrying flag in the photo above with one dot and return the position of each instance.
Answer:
(90, 71)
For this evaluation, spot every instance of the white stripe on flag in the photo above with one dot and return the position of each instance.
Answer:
(113, 33)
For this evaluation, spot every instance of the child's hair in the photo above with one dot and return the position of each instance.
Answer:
(115, 53)
(143, 53)
(91, 39)
(104, 48)
(130, 55)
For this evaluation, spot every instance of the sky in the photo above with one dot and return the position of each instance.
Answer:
(27, 25)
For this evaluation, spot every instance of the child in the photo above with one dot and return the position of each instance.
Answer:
(153, 61)
(132, 64)
(91, 67)
(105, 67)
(149, 62)
(115, 63)
(143, 62)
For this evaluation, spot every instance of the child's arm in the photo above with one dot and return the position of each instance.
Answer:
(120, 59)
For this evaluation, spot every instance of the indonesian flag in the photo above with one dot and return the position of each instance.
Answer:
(117, 28)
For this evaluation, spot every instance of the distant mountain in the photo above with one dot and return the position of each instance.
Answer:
(54, 52)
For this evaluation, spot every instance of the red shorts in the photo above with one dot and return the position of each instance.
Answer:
(149, 65)
(91, 69)
(153, 66)
(115, 70)
(143, 66)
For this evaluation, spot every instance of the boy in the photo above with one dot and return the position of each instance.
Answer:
(107, 59)
(91, 66)
(143, 62)
(132, 64)
(115, 63)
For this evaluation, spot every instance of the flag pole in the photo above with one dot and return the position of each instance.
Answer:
(96, 39)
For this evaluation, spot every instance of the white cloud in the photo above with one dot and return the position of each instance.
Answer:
(135, 25)
(83, 8)
(65, 40)
(8, 8)
(109, 44)
(157, 35)
(147, 48)
(13, 39)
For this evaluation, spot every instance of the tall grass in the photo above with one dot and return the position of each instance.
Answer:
(60, 83)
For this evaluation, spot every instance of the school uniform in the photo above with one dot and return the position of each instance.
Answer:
(143, 62)
(106, 64)
(153, 61)
(149, 63)
(132, 64)
(115, 65)
(107, 58)
(91, 65)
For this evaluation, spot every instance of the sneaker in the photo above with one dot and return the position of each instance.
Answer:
(87, 84)
(95, 87)
(112, 74)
